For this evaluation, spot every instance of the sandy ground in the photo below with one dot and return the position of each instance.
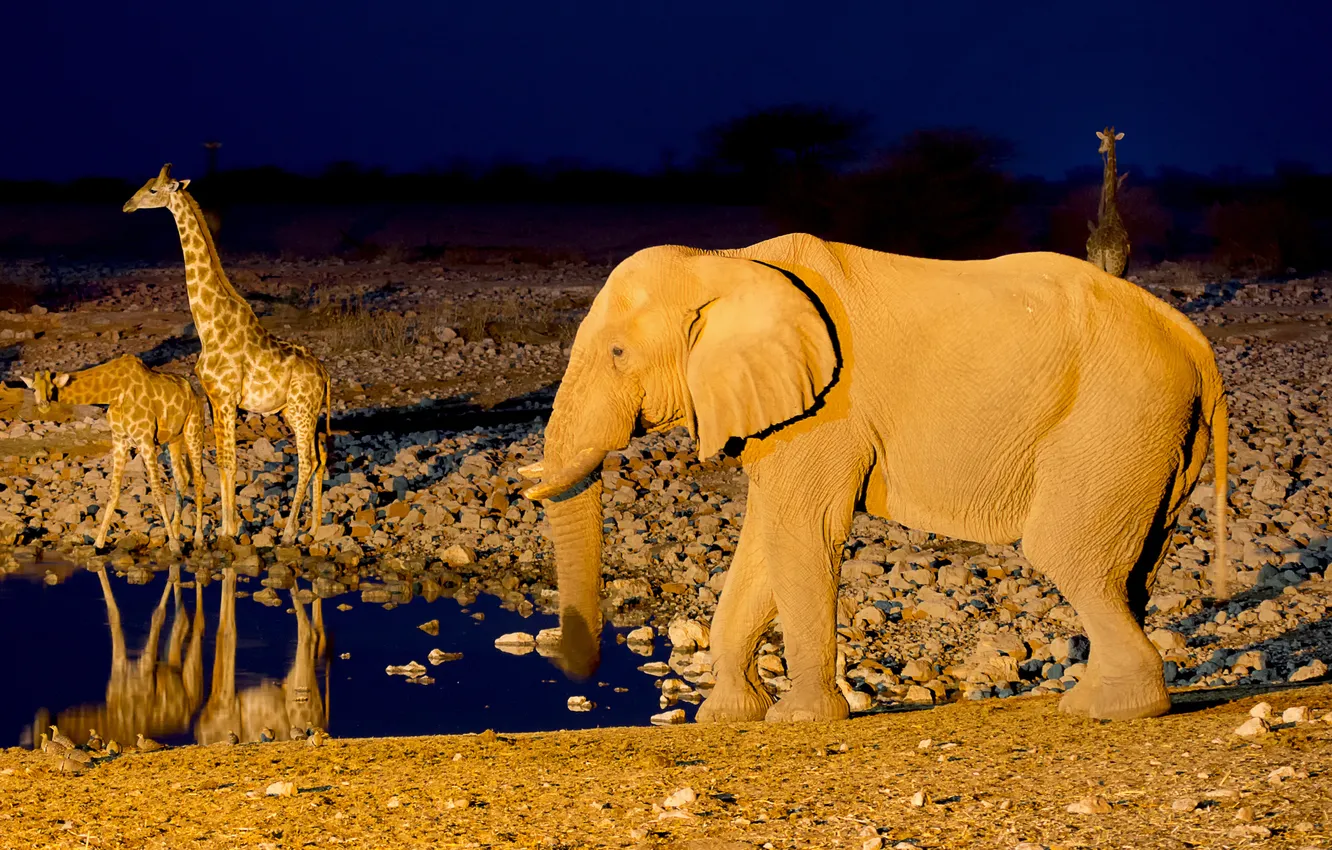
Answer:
(994, 774)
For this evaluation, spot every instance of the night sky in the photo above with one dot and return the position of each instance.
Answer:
(107, 88)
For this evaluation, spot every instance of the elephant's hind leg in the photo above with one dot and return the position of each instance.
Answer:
(1101, 545)
(745, 610)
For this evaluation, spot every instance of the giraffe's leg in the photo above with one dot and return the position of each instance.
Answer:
(153, 467)
(194, 456)
(224, 434)
(119, 455)
(317, 479)
(302, 427)
(180, 479)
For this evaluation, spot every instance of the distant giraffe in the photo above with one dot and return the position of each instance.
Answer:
(240, 363)
(146, 408)
(1108, 245)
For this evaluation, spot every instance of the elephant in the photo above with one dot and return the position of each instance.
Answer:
(1029, 397)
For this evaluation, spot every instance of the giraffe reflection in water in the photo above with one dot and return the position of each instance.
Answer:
(159, 697)
(149, 695)
(293, 703)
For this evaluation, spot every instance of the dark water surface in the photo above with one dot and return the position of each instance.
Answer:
(96, 651)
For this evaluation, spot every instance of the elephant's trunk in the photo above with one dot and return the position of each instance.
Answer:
(575, 528)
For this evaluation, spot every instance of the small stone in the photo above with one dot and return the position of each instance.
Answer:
(1262, 709)
(580, 704)
(458, 556)
(919, 799)
(437, 657)
(1166, 640)
(919, 694)
(281, 789)
(682, 797)
(1253, 727)
(393, 802)
(431, 628)
(1295, 714)
(688, 634)
(669, 718)
(1184, 805)
(1090, 806)
(1281, 774)
(515, 639)
(643, 634)
(1313, 670)
(874, 842)
(412, 670)
(925, 744)
(548, 637)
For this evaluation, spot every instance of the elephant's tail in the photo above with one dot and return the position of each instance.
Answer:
(1221, 573)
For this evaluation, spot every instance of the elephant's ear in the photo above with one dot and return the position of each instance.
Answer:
(759, 351)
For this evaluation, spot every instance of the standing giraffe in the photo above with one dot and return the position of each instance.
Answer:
(1108, 245)
(240, 363)
(146, 408)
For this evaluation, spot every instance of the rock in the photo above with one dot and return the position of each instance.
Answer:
(1313, 670)
(1295, 714)
(1262, 709)
(1089, 806)
(856, 569)
(281, 789)
(437, 657)
(677, 799)
(431, 628)
(1166, 640)
(870, 615)
(1281, 774)
(919, 799)
(643, 634)
(458, 556)
(411, 670)
(655, 668)
(919, 695)
(667, 718)
(580, 704)
(1271, 486)
(1253, 727)
(874, 842)
(268, 596)
(918, 669)
(688, 634)
(548, 637)
(1185, 805)
(516, 643)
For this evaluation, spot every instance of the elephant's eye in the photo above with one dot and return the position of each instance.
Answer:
(616, 351)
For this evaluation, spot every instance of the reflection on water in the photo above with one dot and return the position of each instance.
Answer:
(158, 695)
(92, 655)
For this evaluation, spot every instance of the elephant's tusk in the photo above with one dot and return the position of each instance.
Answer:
(557, 481)
(533, 471)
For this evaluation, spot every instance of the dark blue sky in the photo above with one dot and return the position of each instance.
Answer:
(97, 87)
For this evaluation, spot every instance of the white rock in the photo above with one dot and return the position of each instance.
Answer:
(1313, 670)
(548, 637)
(1295, 714)
(688, 634)
(1253, 727)
(874, 842)
(1166, 640)
(281, 789)
(1089, 806)
(668, 718)
(580, 704)
(412, 670)
(655, 668)
(515, 639)
(919, 799)
(681, 797)
(1262, 709)
(1281, 774)
(643, 634)
(1184, 804)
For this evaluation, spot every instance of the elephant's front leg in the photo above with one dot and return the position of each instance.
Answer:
(743, 614)
(802, 538)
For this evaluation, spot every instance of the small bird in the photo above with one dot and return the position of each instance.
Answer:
(296, 734)
(266, 735)
(61, 739)
(233, 738)
(53, 747)
(94, 740)
(317, 737)
(147, 745)
(78, 755)
(113, 747)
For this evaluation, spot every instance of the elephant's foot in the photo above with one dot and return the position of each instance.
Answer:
(824, 704)
(1117, 699)
(734, 705)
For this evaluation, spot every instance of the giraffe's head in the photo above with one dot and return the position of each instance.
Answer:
(1105, 136)
(45, 385)
(156, 192)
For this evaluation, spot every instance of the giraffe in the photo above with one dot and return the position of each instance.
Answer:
(240, 363)
(1108, 245)
(146, 408)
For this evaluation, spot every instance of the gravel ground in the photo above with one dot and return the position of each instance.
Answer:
(441, 375)
(1007, 774)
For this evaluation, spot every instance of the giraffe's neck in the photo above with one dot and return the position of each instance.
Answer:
(214, 302)
(1109, 182)
(97, 385)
